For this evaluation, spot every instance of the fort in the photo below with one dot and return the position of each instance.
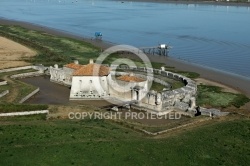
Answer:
(126, 86)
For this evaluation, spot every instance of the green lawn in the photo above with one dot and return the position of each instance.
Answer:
(98, 142)
(157, 86)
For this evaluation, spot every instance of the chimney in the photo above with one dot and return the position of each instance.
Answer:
(163, 68)
(91, 61)
(76, 62)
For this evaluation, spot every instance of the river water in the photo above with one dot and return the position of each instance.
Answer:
(209, 35)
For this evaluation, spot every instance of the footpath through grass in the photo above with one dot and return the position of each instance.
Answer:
(95, 142)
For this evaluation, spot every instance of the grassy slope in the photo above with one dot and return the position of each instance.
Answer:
(91, 142)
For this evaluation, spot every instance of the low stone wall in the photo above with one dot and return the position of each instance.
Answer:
(4, 93)
(24, 75)
(175, 128)
(212, 112)
(24, 113)
(29, 95)
(3, 83)
(16, 69)
(36, 67)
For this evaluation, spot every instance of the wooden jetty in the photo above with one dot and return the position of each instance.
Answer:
(161, 49)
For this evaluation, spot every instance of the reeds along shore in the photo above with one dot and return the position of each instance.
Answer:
(237, 82)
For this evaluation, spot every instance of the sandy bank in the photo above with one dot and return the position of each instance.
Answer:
(12, 54)
(232, 80)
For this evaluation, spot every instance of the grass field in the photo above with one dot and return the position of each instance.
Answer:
(95, 142)
(213, 96)
(157, 86)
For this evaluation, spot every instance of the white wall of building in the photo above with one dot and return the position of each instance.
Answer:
(61, 75)
(89, 87)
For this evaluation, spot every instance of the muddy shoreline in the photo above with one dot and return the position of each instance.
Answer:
(240, 83)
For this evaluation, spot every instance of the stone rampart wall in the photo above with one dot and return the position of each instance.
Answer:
(178, 98)
(24, 75)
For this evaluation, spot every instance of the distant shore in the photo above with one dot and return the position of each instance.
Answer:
(234, 81)
(198, 2)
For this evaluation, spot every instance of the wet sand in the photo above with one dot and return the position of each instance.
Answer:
(237, 82)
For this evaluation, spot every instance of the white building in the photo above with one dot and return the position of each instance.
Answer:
(90, 82)
(63, 75)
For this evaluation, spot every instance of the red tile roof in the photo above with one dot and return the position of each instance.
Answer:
(73, 66)
(129, 78)
(88, 70)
